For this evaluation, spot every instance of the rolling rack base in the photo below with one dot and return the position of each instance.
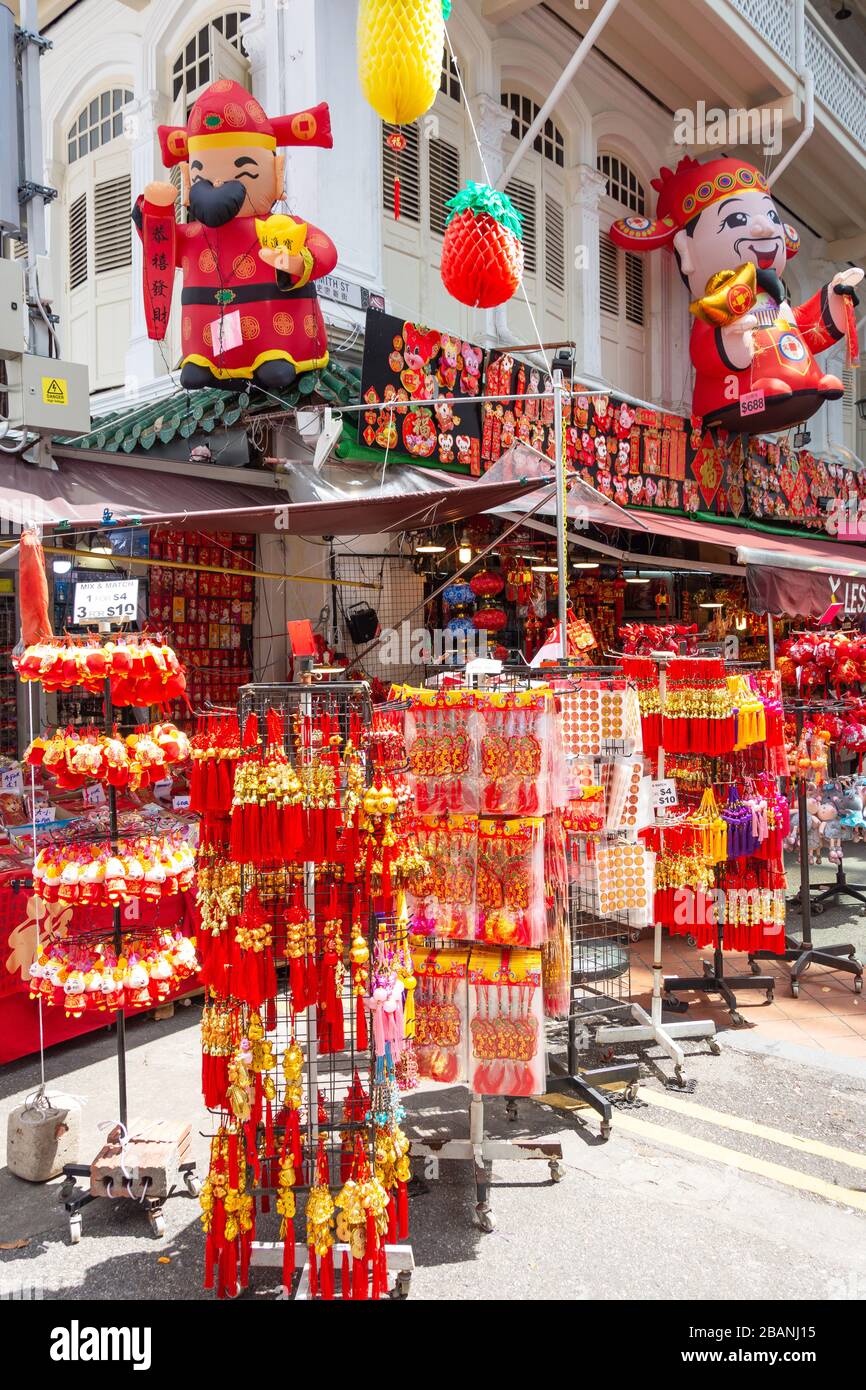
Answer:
(482, 1151)
(587, 1085)
(268, 1254)
(801, 954)
(647, 1030)
(157, 1170)
(714, 981)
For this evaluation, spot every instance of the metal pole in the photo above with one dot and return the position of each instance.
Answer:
(584, 47)
(803, 811)
(118, 932)
(771, 642)
(561, 515)
(33, 170)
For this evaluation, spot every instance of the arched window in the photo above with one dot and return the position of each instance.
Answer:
(449, 84)
(197, 64)
(538, 193)
(622, 281)
(623, 184)
(100, 122)
(549, 141)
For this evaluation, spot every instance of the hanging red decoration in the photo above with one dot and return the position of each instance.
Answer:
(487, 584)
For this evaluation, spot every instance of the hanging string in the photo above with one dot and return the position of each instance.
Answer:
(541, 348)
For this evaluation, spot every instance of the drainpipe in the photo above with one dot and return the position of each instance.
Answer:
(585, 46)
(807, 78)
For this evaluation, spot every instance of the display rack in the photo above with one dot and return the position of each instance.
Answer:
(599, 996)
(328, 1076)
(804, 953)
(713, 979)
(166, 1164)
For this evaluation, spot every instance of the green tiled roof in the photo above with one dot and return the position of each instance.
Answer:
(186, 413)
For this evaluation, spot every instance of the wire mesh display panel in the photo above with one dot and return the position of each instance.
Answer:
(336, 1069)
(399, 588)
(600, 951)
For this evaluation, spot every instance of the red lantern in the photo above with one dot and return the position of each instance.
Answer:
(490, 619)
(487, 584)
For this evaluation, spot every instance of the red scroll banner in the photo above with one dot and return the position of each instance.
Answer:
(158, 232)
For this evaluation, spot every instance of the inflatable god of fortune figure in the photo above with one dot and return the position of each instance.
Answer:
(249, 305)
(753, 353)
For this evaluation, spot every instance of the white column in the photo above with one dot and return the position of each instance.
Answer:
(141, 116)
(493, 124)
(584, 189)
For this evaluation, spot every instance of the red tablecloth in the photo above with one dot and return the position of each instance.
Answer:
(19, 1015)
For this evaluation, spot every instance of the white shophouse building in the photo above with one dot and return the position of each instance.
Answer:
(119, 68)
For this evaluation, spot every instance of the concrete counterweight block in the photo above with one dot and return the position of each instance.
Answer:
(42, 1136)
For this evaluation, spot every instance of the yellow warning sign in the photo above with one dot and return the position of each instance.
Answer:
(55, 390)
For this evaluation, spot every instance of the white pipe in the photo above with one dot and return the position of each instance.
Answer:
(584, 47)
(807, 77)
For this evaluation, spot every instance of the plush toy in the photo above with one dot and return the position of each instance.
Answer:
(752, 351)
(249, 308)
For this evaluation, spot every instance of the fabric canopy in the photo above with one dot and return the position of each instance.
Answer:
(804, 594)
(355, 516)
(759, 547)
(79, 490)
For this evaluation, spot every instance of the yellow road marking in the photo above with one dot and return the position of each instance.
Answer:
(732, 1158)
(667, 1101)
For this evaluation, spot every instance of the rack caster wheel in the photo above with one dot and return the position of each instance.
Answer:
(817, 909)
(714, 1047)
(192, 1183)
(755, 967)
(737, 1017)
(692, 940)
(679, 1076)
(511, 1109)
(75, 1228)
(635, 934)
(157, 1223)
(67, 1191)
(401, 1286)
(771, 994)
(858, 984)
(557, 1171)
(486, 1220)
(631, 1091)
(795, 988)
(605, 1129)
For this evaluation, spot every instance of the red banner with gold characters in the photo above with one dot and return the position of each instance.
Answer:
(158, 262)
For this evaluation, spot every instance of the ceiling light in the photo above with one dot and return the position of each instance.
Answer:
(100, 545)
(711, 605)
(545, 568)
(464, 554)
(586, 564)
(429, 548)
(636, 579)
(61, 566)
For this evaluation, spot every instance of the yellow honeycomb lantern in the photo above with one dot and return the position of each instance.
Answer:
(281, 232)
(400, 44)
